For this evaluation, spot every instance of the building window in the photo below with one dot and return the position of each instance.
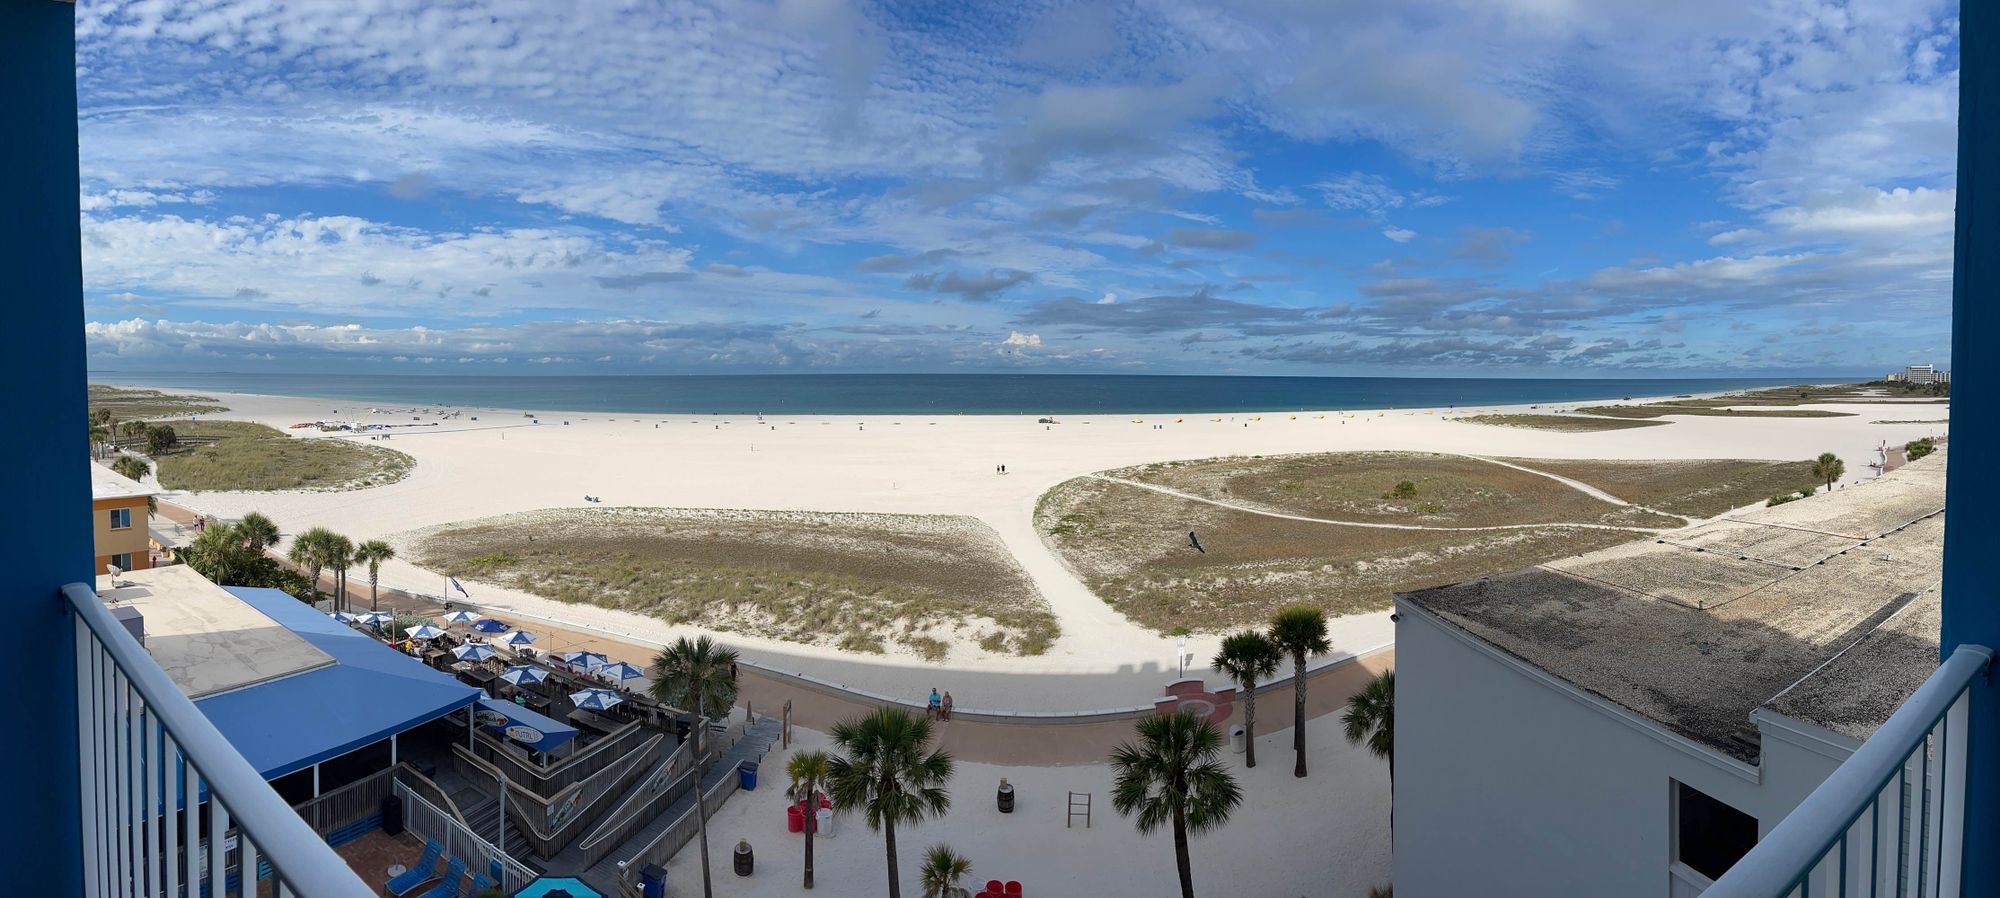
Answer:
(121, 519)
(122, 561)
(1709, 836)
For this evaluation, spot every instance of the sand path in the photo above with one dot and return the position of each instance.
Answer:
(1368, 524)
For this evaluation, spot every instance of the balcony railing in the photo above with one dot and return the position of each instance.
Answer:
(169, 807)
(1890, 820)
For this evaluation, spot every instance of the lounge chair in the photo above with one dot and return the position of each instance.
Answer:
(479, 884)
(423, 871)
(448, 887)
(494, 870)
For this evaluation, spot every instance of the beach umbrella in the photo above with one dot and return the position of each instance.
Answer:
(426, 632)
(524, 675)
(585, 660)
(342, 617)
(489, 625)
(517, 639)
(461, 617)
(619, 671)
(375, 618)
(595, 699)
(474, 651)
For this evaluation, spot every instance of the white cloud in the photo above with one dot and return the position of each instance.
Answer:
(1020, 339)
(1400, 235)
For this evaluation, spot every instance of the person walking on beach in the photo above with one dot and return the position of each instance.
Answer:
(944, 709)
(935, 704)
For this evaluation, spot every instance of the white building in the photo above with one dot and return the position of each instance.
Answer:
(1922, 374)
(1629, 722)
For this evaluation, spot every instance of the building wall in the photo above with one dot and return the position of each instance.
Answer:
(132, 540)
(1507, 785)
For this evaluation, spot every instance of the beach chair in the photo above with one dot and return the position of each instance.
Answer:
(422, 872)
(448, 887)
(494, 870)
(480, 883)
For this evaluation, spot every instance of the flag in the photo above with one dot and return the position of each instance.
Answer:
(461, 589)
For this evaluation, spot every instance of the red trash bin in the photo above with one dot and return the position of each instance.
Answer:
(795, 819)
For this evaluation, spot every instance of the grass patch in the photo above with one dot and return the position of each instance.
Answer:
(1707, 408)
(239, 455)
(1561, 423)
(131, 403)
(856, 581)
(1132, 550)
(1425, 489)
(1698, 488)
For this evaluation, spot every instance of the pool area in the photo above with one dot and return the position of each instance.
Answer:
(557, 887)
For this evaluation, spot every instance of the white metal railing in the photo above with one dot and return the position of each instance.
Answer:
(163, 794)
(459, 841)
(1890, 820)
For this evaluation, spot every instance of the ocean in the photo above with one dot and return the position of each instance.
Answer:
(912, 394)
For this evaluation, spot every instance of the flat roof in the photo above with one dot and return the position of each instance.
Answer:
(207, 640)
(1816, 608)
(108, 484)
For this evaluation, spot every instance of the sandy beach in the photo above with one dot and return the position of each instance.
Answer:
(483, 462)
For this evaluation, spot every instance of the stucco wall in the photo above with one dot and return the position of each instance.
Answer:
(131, 539)
(1508, 785)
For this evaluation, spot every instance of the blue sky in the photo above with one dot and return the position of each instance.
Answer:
(1449, 187)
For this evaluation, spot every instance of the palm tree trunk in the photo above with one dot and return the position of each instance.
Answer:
(1181, 860)
(374, 604)
(1250, 725)
(812, 816)
(889, 840)
(700, 807)
(1299, 713)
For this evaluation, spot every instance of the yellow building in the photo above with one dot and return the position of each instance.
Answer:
(118, 505)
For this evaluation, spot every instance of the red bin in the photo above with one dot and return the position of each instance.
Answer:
(795, 819)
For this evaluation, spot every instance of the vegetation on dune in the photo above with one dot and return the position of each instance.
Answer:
(128, 403)
(130, 466)
(861, 582)
(1174, 776)
(1696, 488)
(1560, 423)
(1707, 408)
(1916, 449)
(239, 455)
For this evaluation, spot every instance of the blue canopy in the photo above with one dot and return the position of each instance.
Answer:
(489, 625)
(370, 692)
(536, 731)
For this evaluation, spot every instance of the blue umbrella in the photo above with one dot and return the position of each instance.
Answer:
(462, 617)
(517, 638)
(342, 617)
(426, 632)
(524, 675)
(585, 660)
(595, 699)
(474, 651)
(376, 618)
(619, 671)
(489, 625)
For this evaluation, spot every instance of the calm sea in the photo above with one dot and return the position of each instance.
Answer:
(972, 394)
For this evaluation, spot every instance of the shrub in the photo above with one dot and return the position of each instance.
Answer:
(1780, 500)
(160, 438)
(1916, 449)
(1405, 490)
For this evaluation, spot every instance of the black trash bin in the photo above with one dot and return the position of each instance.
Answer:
(1006, 797)
(745, 859)
(392, 814)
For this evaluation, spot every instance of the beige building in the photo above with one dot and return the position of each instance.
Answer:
(118, 505)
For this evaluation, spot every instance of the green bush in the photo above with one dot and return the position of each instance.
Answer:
(1404, 490)
(1916, 449)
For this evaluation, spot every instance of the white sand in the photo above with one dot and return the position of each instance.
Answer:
(1325, 836)
(931, 465)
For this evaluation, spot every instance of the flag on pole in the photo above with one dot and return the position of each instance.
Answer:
(461, 589)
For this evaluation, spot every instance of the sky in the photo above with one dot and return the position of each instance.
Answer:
(1337, 187)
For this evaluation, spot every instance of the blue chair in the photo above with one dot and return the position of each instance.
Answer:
(422, 872)
(454, 877)
(479, 884)
(494, 871)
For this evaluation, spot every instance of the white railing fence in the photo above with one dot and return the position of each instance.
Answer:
(159, 785)
(431, 822)
(1890, 820)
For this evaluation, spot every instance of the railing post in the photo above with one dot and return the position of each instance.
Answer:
(1972, 501)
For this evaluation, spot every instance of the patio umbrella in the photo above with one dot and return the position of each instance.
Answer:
(524, 675)
(619, 671)
(342, 617)
(517, 639)
(375, 618)
(585, 660)
(426, 632)
(489, 625)
(474, 651)
(595, 699)
(461, 617)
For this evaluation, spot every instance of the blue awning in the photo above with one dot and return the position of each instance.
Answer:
(370, 693)
(534, 730)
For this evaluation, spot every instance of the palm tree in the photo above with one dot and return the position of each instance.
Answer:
(339, 557)
(309, 550)
(1299, 631)
(942, 870)
(808, 770)
(130, 466)
(1248, 657)
(373, 553)
(694, 674)
(97, 435)
(1828, 468)
(890, 773)
(219, 555)
(258, 532)
(1371, 718)
(1174, 776)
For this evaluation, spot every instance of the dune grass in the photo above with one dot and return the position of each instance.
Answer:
(860, 582)
(132, 403)
(1561, 423)
(1699, 488)
(1708, 408)
(240, 455)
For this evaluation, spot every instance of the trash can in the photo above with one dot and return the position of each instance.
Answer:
(823, 823)
(795, 819)
(745, 860)
(392, 814)
(653, 881)
(1236, 740)
(746, 775)
(1006, 797)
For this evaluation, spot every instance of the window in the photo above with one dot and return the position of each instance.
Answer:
(121, 519)
(122, 561)
(1709, 836)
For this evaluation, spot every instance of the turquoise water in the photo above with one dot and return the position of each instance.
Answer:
(972, 394)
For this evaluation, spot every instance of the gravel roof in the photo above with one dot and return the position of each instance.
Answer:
(1697, 629)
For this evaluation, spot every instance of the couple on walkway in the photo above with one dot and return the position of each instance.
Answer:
(940, 707)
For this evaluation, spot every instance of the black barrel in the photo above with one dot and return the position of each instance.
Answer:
(745, 860)
(1006, 798)
(392, 814)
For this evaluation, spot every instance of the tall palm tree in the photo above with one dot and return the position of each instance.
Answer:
(97, 434)
(808, 770)
(1371, 719)
(1828, 468)
(218, 554)
(132, 466)
(258, 531)
(1174, 776)
(373, 553)
(309, 551)
(694, 674)
(1247, 658)
(889, 773)
(1300, 631)
(942, 871)
(339, 557)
